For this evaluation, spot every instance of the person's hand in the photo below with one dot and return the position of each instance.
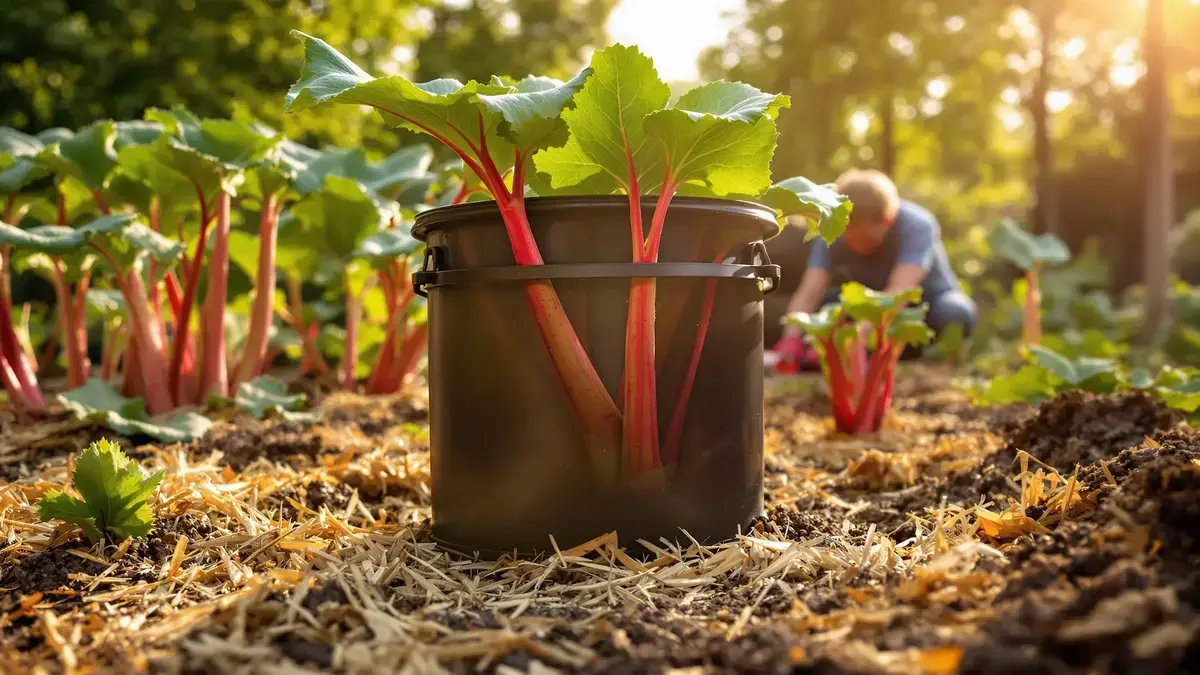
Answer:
(789, 354)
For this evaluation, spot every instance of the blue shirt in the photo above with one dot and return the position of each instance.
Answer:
(915, 238)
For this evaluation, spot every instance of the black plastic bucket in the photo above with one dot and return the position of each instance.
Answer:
(508, 462)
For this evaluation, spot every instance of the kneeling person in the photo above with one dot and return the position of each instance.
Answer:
(891, 245)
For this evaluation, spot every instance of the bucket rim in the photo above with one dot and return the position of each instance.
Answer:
(439, 216)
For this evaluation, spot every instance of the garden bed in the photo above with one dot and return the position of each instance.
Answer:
(934, 546)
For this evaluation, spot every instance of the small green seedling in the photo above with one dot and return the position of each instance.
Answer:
(862, 394)
(115, 491)
(1029, 252)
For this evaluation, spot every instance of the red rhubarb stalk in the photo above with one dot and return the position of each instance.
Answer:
(350, 361)
(9, 379)
(264, 295)
(151, 363)
(184, 316)
(66, 323)
(14, 354)
(131, 371)
(1033, 299)
(214, 377)
(870, 398)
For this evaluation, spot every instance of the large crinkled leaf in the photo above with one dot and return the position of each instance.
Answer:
(446, 109)
(1183, 396)
(89, 155)
(608, 118)
(17, 165)
(722, 133)
(78, 202)
(533, 113)
(404, 170)
(1026, 250)
(97, 400)
(825, 211)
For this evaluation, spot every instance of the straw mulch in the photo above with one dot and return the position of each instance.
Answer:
(289, 548)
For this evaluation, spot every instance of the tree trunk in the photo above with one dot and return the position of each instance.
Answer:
(1045, 210)
(1159, 206)
(887, 136)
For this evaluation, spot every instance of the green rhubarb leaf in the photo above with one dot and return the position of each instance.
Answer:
(265, 396)
(126, 242)
(908, 327)
(446, 109)
(99, 401)
(18, 167)
(387, 245)
(402, 171)
(44, 258)
(1086, 373)
(1026, 250)
(721, 133)
(105, 304)
(89, 155)
(825, 211)
(820, 324)
(56, 505)
(865, 304)
(328, 226)
(1031, 384)
(1183, 396)
(211, 153)
(136, 132)
(609, 117)
(533, 114)
(49, 239)
(147, 165)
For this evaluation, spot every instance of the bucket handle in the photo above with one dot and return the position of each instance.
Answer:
(432, 272)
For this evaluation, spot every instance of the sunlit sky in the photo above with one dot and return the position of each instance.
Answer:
(672, 32)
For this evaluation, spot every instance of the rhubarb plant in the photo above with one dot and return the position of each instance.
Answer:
(1030, 253)
(115, 496)
(609, 130)
(843, 333)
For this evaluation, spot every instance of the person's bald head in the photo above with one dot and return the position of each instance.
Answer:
(876, 204)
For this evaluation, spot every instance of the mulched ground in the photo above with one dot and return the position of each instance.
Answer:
(1063, 539)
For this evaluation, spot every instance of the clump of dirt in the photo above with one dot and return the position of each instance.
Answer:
(45, 572)
(292, 443)
(1117, 591)
(160, 544)
(313, 495)
(1078, 428)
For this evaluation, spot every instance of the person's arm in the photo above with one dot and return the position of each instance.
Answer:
(807, 297)
(918, 237)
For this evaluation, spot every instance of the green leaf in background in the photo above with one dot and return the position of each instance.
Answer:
(127, 241)
(387, 245)
(99, 401)
(265, 396)
(1085, 373)
(89, 155)
(328, 225)
(18, 166)
(1026, 250)
(532, 114)
(825, 211)
(115, 492)
(1031, 384)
